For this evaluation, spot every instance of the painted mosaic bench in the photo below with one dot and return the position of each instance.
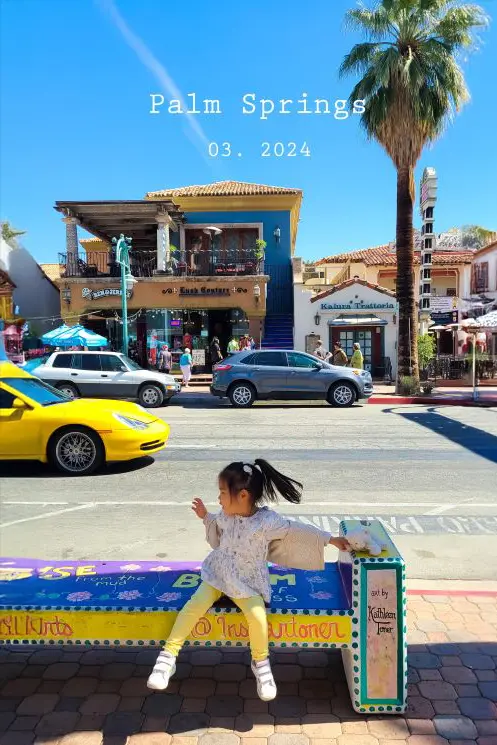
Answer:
(356, 604)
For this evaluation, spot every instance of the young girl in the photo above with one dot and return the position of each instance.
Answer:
(243, 535)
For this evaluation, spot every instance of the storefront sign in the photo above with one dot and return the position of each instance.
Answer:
(88, 294)
(218, 291)
(198, 357)
(443, 319)
(442, 304)
(361, 305)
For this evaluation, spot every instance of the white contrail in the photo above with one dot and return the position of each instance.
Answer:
(199, 137)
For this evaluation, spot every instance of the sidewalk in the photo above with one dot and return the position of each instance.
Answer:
(70, 697)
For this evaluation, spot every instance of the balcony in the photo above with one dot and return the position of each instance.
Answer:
(143, 264)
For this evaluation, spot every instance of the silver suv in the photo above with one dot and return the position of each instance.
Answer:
(247, 376)
(106, 375)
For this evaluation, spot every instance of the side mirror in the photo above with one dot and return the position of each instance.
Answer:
(18, 403)
(123, 368)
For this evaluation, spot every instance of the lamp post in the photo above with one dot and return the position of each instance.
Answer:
(471, 326)
(123, 247)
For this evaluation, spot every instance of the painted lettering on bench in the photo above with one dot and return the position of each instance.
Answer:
(381, 633)
(187, 580)
(51, 572)
(25, 625)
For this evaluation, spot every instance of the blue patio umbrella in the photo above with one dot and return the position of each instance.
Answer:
(49, 337)
(78, 336)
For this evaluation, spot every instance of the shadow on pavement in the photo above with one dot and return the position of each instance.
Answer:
(472, 438)
(25, 469)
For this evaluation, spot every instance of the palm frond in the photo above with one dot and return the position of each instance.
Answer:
(359, 58)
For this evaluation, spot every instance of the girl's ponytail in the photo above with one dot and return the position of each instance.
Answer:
(274, 483)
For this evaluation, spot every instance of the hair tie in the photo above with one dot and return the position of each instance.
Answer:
(248, 469)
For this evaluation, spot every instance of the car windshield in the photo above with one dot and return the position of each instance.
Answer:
(132, 365)
(37, 390)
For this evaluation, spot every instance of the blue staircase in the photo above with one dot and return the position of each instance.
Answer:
(278, 331)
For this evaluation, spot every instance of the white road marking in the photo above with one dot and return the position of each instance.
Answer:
(446, 507)
(53, 513)
(164, 503)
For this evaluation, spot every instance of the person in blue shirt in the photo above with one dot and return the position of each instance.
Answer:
(185, 363)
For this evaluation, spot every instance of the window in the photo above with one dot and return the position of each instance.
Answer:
(301, 360)
(428, 242)
(248, 360)
(111, 363)
(479, 281)
(270, 359)
(62, 360)
(6, 399)
(90, 362)
(451, 292)
(37, 390)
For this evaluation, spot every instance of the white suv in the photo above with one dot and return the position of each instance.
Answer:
(106, 375)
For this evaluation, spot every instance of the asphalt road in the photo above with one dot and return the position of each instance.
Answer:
(429, 472)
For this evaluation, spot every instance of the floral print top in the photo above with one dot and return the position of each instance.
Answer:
(238, 567)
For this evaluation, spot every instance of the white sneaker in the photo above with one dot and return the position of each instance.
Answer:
(164, 669)
(266, 687)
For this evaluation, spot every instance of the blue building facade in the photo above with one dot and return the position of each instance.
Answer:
(267, 213)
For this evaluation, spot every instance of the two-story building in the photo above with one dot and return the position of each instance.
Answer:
(374, 271)
(212, 260)
(484, 274)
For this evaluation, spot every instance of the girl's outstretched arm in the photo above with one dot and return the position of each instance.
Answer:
(341, 543)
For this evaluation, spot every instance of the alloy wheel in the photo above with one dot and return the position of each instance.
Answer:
(242, 395)
(76, 452)
(342, 395)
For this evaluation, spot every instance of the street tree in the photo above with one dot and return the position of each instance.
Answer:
(411, 83)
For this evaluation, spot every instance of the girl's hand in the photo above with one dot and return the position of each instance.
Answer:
(341, 544)
(199, 508)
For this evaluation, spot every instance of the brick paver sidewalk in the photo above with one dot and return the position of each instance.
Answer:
(70, 697)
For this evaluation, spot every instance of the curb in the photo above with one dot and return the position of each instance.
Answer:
(455, 593)
(423, 400)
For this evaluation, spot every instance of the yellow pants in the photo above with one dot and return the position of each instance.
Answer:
(252, 608)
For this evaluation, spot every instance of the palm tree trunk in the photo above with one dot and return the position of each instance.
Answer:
(408, 321)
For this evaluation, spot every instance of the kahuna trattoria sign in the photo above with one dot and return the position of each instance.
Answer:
(88, 294)
(358, 305)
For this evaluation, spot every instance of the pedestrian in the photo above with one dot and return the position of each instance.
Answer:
(339, 357)
(215, 350)
(245, 534)
(233, 346)
(165, 359)
(185, 364)
(252, 342)
(357, 360)
(320, 352)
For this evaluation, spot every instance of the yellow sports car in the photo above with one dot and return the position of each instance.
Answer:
(77, 436)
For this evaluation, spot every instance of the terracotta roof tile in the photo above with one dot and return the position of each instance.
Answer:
(385, 256)
(53, 271)
(5, 279)
(223, 189)
(350, 283)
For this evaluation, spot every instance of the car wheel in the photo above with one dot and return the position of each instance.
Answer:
(342, 395)
(151, 396)
(242, 395)
(68, 390)
(76, 451)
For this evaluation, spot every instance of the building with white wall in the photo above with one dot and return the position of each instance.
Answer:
(35, 295)
(484, 272)
(352, 311)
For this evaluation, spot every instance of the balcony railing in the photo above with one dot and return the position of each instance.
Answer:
(233, 263)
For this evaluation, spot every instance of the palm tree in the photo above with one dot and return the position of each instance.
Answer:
(9, 233)
(411, 85)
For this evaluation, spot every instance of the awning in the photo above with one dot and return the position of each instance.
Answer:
(357, 320)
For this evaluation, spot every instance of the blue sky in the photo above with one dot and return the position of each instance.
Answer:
(75, 95)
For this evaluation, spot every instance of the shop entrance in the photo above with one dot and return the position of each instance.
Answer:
(370, 339)
(220, 326)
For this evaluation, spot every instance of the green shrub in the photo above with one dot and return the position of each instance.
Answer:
(426, 350)
(408, 386)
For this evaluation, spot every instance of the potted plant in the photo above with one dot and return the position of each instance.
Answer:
(260, 252)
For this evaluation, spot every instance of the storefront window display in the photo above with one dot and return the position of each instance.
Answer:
(149, 330)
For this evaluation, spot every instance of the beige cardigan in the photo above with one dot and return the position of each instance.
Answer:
(301, 548)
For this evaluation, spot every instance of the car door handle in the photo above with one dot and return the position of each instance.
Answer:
(74, 375)
(293, 372)
(104, 376)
